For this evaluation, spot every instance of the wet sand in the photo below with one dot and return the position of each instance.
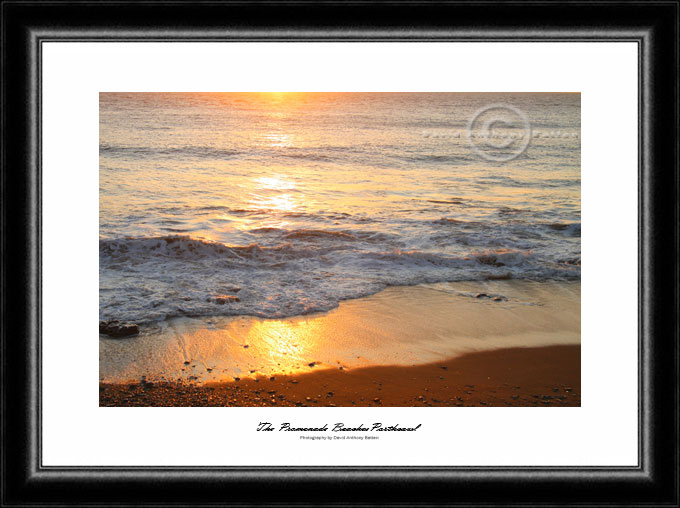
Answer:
(400, 326)
(542, 376)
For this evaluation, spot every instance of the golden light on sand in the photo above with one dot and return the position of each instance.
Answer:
(287, 344)
(281, 337)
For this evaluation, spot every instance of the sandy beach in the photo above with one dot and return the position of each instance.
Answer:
(547, 376)
(337, 250)
(494, 343)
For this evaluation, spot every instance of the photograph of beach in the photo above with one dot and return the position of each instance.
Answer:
(319, 249)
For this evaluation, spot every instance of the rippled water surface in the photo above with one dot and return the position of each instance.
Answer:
(283, 204)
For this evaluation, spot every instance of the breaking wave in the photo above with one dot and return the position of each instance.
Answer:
(146, 279)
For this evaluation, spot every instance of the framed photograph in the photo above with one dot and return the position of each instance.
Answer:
(349, 254)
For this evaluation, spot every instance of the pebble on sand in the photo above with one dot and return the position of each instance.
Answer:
(114, 328)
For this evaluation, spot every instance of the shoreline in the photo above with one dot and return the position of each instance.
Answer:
(399, 326)
(522, 377)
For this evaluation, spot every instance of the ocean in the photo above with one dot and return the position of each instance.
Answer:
(284, 204)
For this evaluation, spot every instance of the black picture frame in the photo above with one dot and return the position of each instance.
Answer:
(652, 25)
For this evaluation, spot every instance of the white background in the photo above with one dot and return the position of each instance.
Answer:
(602, 432)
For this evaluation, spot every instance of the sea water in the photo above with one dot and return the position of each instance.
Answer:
(282, 204)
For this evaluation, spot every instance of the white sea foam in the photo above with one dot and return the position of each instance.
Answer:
(147, 279)
(294, 206)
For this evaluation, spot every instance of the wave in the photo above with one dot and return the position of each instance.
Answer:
(194, 152)
(452, 201)
(311, 156)
(177, 247)
(305, 244)
(317, 234)
(528, 183)
(566, 229)
(507, 210)
(320, 154)
(189, 248)
(146, 279)
(245, 212)
(426, 158)
(304, 234)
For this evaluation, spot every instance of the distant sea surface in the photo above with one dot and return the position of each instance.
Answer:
(293, 202)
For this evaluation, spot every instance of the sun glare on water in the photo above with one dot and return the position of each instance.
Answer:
(275, 182)
(277, 196)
